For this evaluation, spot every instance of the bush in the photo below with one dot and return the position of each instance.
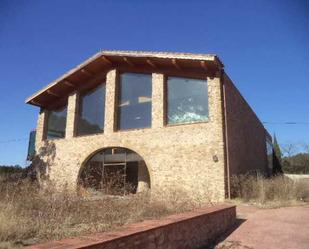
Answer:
(10, 169)
(11, 173)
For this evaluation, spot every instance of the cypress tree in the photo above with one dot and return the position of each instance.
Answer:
(277, 148)
(277, 158)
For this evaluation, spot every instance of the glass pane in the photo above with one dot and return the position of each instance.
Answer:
(187, 100)
(31, 146)
(56, 123)
(134, 104)
(91, 111)
(115, 171)
(113, 155)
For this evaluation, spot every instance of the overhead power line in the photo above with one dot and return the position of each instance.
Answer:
(288, 123)
(14, 140)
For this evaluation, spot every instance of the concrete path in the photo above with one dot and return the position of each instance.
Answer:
(282, 228)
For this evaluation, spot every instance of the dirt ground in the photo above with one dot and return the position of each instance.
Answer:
(280, 228)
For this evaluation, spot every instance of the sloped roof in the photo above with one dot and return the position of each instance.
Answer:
(103, 61)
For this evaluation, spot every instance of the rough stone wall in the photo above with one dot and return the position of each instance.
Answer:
(71, 115)
(40, 129)
(246, 136)
(178, 157)
(195, 229)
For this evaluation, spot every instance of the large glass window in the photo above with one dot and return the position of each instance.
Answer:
(91, 111)
(56, 123)
(187, 100)
(134, 101)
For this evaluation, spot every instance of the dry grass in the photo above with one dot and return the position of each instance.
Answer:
(29, 215)
(269, 192)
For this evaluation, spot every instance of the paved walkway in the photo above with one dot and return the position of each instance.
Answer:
(282, 228)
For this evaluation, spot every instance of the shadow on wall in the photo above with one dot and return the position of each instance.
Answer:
(217, 243)
(40, 166)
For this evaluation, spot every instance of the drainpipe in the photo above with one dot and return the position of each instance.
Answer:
(226, 136)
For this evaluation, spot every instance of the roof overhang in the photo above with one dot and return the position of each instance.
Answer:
(95, 68)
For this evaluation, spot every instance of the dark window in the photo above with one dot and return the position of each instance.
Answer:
(31, 146)
(115, 171)
(187, 100)
(56, 123)
(91, 111)
(134, 103)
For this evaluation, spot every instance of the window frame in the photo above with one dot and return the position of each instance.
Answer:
(46, 121)
(165, 100)
(78, 106)
(117, 100)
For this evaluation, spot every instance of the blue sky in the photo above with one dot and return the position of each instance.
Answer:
(263, 44)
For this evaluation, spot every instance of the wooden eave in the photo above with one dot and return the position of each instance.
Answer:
(93, 71)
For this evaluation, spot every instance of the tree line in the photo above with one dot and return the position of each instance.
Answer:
(9, 169)
(293, 158)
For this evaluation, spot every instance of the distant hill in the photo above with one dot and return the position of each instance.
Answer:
(297, 164)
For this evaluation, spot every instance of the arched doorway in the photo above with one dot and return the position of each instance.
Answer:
(115, 171)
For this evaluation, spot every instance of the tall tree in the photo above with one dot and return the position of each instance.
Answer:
(277, 148)
(277, 158)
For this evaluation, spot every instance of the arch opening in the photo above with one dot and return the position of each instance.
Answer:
(115, 171)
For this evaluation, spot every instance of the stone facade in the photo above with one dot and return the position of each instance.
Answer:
(177, 157)
(196, 158)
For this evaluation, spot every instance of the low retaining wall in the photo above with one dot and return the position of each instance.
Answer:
(187, 230)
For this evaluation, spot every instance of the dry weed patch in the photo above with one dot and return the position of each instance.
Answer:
(30, 215)
(269, 192)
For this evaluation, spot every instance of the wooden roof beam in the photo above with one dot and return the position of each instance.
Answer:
(57, 104)
(68, 83)
(151, 63)
(203, 65)
(52, 93)
(86, 72)
(106, 60)
(35, 103)
(175, 63)
(128, 61)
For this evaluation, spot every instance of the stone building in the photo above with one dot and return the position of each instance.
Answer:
(164, 121)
